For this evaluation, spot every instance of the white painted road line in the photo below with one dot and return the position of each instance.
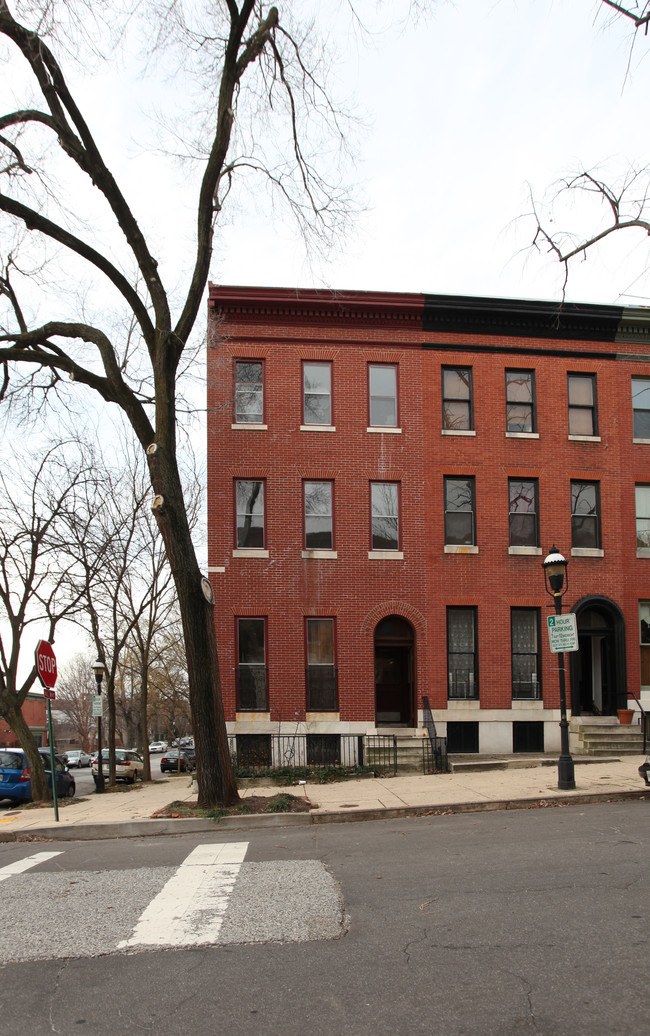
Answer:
(24, 865)
(189, 910)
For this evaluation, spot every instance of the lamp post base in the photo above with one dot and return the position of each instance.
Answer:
(565, 773)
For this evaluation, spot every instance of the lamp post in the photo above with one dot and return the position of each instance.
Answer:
(556, 581)
(98, 670)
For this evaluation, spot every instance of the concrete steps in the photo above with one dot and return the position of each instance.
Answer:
(608, 737)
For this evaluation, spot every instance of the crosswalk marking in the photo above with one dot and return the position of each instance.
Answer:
(189, 910)
(24, 865)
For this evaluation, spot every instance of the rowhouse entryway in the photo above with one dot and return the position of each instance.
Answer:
(394, 673)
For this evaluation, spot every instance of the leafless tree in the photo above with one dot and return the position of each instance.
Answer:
(620, 205)
(38, 587)
(258, 106)
(74, 691)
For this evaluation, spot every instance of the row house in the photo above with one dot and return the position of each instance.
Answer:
(386, 473)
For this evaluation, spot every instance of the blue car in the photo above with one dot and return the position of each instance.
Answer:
(15, 784)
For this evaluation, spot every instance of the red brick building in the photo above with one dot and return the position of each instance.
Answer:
(387, 472)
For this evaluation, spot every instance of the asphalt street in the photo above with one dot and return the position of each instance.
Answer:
(528, 922)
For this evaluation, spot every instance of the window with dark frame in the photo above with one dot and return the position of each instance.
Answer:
(642, 501)
(249, 392)
(641, 408)
(462, 656)
(457, 399)
(317, 393)
(384, 503)
(585, 514)
(319, 518)
(460, 511)
(583, 411)
(644, 641)
(382, 386)
(251, 665)
(520, 401)
(249, 502)
(523, 514)
(321, 667)
(525, 653)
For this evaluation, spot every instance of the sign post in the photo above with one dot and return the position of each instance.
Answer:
(47, 672)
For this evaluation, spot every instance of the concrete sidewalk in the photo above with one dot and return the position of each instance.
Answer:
(130, 813)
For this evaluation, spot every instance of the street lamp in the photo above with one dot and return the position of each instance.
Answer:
(556, 581)
(98, 670)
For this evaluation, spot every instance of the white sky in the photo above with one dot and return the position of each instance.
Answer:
(467, 109)
(464, 111)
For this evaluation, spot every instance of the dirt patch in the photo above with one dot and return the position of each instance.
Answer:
(282, 803)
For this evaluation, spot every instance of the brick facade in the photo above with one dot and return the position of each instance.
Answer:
(284, 584)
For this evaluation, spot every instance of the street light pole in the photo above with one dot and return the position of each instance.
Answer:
(555, 570)
(98, 670)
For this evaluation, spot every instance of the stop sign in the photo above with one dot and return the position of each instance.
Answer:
(46, 663)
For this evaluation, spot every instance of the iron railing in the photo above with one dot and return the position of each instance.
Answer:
(644, 721)
(292, 751)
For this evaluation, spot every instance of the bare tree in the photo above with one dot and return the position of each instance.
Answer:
(75, 687)
(37, 580)
(259, 108)
(619, 205)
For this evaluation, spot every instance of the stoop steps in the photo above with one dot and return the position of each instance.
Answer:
(606, 736)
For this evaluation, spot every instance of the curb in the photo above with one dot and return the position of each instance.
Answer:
(189, 825)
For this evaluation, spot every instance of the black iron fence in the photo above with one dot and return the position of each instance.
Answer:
(294, 751)
(377, 752)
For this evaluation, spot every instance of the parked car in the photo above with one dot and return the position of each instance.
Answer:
(169, 762)
(128, 765)
(15, 782)
(77, 758)
(158, 746)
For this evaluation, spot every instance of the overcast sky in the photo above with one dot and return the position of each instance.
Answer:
(466, 110)
(466, 113)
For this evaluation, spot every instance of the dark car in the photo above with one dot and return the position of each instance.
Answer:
(169, 762)
(15, 781)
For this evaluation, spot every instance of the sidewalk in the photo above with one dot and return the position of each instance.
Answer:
(129, 814)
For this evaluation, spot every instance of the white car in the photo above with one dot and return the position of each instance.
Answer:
(128, 765)
(158, 746)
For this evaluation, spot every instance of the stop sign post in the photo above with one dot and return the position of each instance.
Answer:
(47, 673)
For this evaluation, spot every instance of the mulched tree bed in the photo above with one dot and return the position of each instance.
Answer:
(283, 803)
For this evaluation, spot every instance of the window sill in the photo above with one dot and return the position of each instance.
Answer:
(455, 431)
(587, 552)
(216, 568)
(385, 555)
(643, 442)
(389, 429)
(250, 552)
(325, 716)
(584, 438)
(319, 554)
(245, 714)
(528, 551)
(460, 548)
(317, 428)
(522, 435)
(252, 427)
(643, 552)
(470, 703)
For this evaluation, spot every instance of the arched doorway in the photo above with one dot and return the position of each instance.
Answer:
(394, 673)
(597, 668)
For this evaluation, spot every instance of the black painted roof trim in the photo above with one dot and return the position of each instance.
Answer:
(487, 316)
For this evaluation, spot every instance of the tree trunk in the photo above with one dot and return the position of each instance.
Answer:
(215, 777)
(143, 721)
(16, 720)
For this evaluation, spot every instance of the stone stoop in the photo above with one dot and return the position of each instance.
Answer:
(606, 736)
(409, 753)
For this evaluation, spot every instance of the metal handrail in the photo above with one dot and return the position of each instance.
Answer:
(644, 720)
